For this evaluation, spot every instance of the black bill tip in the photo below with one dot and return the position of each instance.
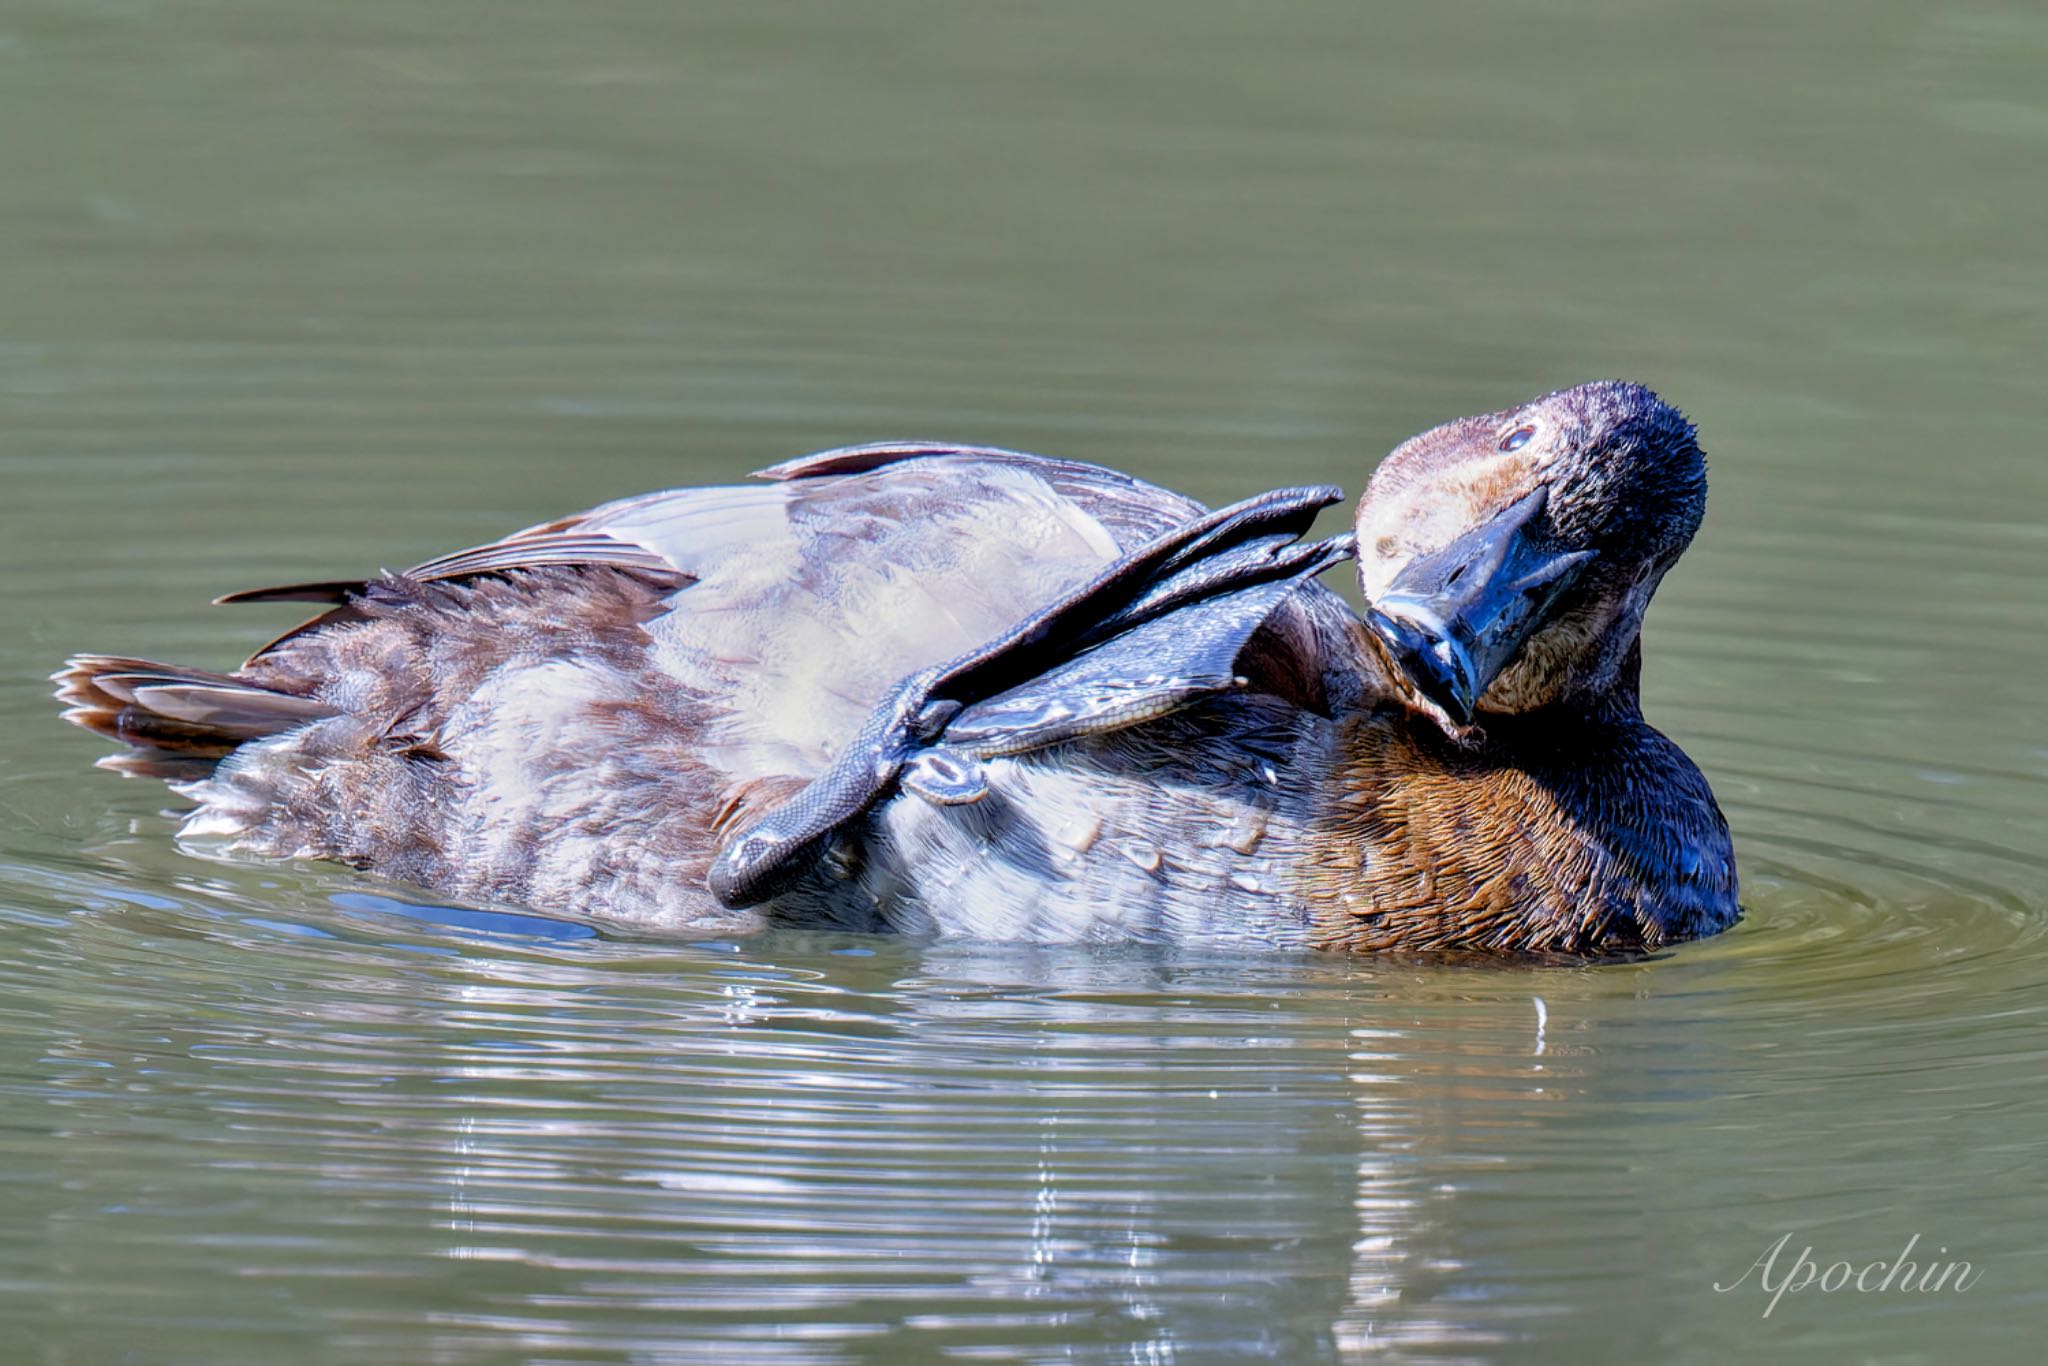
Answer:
(1454, 619)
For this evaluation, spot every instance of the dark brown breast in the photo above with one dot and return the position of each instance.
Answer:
(1576, 835)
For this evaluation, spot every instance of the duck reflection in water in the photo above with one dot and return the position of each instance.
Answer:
(920, 1149)
(981, 694)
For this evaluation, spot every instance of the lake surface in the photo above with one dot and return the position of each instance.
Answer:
(296, 291)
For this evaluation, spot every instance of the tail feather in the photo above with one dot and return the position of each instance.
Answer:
(182, 720)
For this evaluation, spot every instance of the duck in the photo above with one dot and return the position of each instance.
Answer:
(962, 691)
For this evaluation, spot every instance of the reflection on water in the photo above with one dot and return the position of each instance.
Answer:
(301, 291)
(446, 1137)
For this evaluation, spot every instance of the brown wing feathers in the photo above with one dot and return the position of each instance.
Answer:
(527, 550)
(187, 719)
(189, 714)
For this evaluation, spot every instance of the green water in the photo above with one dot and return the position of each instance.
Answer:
(294, 291)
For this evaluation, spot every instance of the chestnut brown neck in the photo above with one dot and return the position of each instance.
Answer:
(1575, 830)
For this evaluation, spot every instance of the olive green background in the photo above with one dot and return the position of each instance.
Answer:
(296, 290)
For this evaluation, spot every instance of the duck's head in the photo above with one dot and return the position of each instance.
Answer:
(1508, 558)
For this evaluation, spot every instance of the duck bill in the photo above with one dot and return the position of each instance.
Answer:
(1453, 620)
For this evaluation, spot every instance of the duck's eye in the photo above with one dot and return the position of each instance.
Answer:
(1517, 438)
